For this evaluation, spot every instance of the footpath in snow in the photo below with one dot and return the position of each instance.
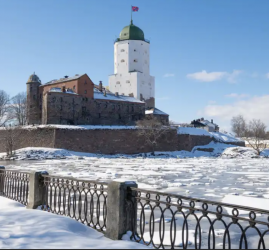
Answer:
(21, 228)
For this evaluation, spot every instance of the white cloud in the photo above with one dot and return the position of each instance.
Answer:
(253, 108)
(232, 78)
(168, 75)
(234, 95)
(205, 76)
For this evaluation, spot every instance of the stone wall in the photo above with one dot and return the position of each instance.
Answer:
(110, 141)
(188, 142)
(105, 141)
(29, 138)
(60, 108)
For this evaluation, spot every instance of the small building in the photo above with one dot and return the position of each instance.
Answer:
(158, 114)
(209, 126)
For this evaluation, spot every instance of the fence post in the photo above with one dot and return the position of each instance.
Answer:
(117, 214)
(36, 189)
(2, 179)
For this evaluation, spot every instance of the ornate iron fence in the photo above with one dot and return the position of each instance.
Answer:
(173, 221)
(15, 185)
(82, 200)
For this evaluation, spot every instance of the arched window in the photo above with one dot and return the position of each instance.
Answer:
(127, 81)
(122, 50)
(118, 82)
(135, 60)
(122, 60)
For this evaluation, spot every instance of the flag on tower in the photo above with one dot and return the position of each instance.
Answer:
(134, 8)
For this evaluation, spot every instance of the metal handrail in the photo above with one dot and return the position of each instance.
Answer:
(250, 209)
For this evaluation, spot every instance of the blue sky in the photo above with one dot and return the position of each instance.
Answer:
(209, 58)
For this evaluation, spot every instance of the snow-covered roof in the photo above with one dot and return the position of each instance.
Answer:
(112, 97)
(63, 79)
(67, 91)
(155, 111)
(217, 135)
(206, 123)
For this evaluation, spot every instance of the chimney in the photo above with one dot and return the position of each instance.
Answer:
(202, 119)
(105, 92)
(117, 94)
(65, 76)
(212, 121)
(101, 86)
(63, 89)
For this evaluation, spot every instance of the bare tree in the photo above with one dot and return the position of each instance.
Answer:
(19, 108)
(152, 130)
(239, 125)
(11, 137)
(255, 135)
(4, 108)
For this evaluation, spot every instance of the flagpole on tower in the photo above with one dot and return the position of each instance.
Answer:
(131, 14)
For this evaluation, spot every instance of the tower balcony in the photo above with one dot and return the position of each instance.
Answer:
(119, 40)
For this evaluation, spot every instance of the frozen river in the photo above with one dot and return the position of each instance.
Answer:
(208, 178)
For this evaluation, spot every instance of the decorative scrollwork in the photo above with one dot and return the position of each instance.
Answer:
(172, 221)
(15, 185)
(84, 201)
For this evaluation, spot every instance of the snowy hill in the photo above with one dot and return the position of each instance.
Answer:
(221, 137)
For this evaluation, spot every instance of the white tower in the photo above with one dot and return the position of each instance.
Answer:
(132, 66)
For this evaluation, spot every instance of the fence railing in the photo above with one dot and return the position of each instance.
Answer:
(15, 185)
(171, 221)
(82, 200)
(155, 219)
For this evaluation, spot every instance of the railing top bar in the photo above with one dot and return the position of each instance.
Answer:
(74, 179)
(262, 211)
(13, 171)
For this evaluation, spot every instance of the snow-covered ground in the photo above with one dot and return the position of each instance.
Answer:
(34, 229)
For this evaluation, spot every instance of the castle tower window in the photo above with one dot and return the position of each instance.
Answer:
(134, 50)
(122, 50)
(122, 60)
(135, 60)
(118, 82)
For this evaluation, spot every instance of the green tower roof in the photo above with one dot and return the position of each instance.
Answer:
(131, 32)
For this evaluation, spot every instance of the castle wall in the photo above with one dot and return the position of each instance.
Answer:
(29, 138)
(62, 108)
(105, 141)
(110, 141)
